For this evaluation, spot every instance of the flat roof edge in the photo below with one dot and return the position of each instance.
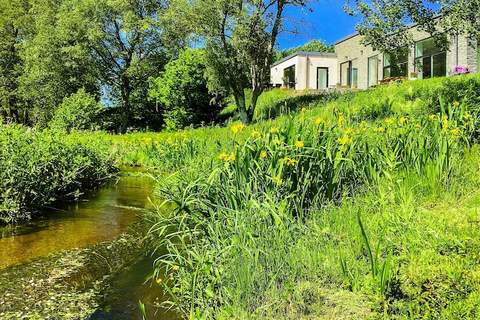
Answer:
(305, 53)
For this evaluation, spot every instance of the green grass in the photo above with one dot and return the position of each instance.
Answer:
(360, 207)
(351, 207)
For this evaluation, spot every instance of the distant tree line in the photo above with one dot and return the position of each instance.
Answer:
(311, 46)
(57, 55)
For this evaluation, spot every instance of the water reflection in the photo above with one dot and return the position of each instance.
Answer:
(104, 216)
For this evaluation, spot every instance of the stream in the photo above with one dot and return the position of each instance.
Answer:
(102, 216)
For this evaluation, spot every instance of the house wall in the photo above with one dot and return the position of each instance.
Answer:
(306, 77)
(315, 62)
(276, 72)
(461, 52)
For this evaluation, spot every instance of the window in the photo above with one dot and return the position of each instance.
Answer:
(478, 54)
(348, 75)
(322, 78)
(395, 65)
(289, 77)
(345, 74)
(430, 60)
(372, 71)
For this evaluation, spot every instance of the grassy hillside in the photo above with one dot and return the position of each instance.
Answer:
(362, 207)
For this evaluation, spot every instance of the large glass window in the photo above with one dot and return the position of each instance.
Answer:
(478, 54)
(345, 74)
(430, 60)
(322, 78)
(395, 64)
(372, 71)
(289, 77)
(348, 75)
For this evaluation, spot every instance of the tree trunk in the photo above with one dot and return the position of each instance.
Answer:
(125, 112)
(241, 106)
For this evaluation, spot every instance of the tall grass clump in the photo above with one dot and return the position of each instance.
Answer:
(246, 234)
(39, 167)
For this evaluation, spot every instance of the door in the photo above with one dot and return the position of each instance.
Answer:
(322, 78)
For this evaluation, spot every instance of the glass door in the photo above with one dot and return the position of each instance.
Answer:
(322, 78)
(373, 71)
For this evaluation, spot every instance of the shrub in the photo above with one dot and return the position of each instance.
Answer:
(182, 90)
(77, 112)
(39, 167)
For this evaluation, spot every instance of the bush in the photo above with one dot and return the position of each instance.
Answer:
(182, 91)
(39, 167)
(77, 112)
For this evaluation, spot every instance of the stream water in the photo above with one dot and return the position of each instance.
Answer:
(102, 216)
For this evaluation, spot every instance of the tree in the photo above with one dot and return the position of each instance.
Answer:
(54, 65)
(385, 22)
(77, 112)
(314, 45)
(239, 38)
(13, 15)
(182, 91)
(125, 40)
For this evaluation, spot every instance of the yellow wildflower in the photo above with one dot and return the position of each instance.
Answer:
(379, 129)
(277, 141)
(345, 140)
(274, 130)
(237, 128)
(159, 280)
(348, 131)
(433, 117)
(318, 120)
(226, 157)
(455, 132)
(290, 162)
(175, 268)
(403, 120)
(277, 180)
(341, 120)
(456, 104)
(445, 123)
(299, 144)
(263, 154)
(255, 134)
(389, 121)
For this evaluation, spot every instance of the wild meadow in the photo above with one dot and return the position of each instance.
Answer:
(360, 207)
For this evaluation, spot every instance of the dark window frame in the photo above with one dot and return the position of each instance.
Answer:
(430, 56)
(289, 83)
(328, 74)
(368, 70)
(400, 65)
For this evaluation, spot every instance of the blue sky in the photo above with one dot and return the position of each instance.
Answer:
(327, 22)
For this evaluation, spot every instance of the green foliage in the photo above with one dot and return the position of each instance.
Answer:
(275, 213)
(239, 38)
(311, 46)
(383, 23)
(182, 91)
(39, 167)
(79, 111)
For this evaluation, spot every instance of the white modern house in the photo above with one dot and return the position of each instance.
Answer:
(356, 66)
(306, 70)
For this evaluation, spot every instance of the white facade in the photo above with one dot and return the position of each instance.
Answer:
(306, 71)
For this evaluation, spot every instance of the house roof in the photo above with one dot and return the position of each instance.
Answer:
(306, 53)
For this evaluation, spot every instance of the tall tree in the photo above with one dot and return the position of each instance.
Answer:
(54, 65)
(13, 16)
(385, 22)
(239, 37)
(125, 40)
